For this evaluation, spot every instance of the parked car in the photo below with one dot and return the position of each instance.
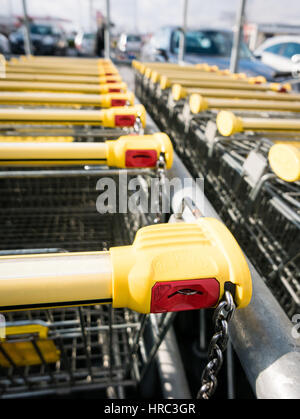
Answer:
(46, 39)
(85, 43)
(4, 45)
(129, 45)
(281, 53)
(212, 46)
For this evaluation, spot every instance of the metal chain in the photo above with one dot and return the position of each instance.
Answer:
(221, 318)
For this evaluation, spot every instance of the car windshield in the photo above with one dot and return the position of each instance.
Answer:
(41, 30)
(209, 43)
(133, 38)
(89, 36)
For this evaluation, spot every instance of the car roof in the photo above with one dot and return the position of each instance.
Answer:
(278, 40)
(197, 28)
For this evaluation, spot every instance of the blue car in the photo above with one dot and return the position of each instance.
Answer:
(210, 46)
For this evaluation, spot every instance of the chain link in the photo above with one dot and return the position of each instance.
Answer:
(221, 318)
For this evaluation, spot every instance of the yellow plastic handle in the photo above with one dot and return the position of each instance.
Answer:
(169, 267)
(27, 86)
(169, 261)
(229, 124)
(198, 104)
(125, 116)
(131, 151)
(106, 100)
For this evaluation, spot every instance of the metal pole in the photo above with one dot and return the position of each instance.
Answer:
(238, 35)
(91, 15)
(107, 31)
(27, 40)
(261, 333)
(183, 34)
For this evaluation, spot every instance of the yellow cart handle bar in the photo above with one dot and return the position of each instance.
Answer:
(79, 71)
(128, 151)
(229, 124)
(166, 83)
(107, 100)
(180, 92)
(8, 86)
(54, 78)
(183, 75)
(169, 267)
(199, 104)
(111, 118)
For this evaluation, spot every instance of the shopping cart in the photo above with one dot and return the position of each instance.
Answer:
(73, 349)
(96, 347)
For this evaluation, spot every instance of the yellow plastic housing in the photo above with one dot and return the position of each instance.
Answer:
(22, 352)
(176, 252)
(198, 103)
(108, 115)
(159, 142)
(284, 160)
(178, 92)
(229, 124)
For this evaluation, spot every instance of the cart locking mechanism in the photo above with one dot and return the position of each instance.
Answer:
(176, 267)
(131, 151)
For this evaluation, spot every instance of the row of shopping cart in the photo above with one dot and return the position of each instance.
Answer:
(242, 136)
(83, 261)
(61, 123)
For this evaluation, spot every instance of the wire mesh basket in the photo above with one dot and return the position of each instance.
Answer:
(62, 350)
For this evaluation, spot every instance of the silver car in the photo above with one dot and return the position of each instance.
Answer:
(85, 43)
(129, 45)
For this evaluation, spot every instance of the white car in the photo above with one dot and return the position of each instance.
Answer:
(4, 45)
(85, 43)
(130, 45)
(281, 53)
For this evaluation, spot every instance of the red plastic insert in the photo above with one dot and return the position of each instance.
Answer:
(111, 90)
(184, 295)
(118, 102)
(110, 81)
(124, 120)
(140, 158)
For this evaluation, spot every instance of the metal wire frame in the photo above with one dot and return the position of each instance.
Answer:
(101, 348)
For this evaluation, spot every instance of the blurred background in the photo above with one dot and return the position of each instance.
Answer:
(151, 30)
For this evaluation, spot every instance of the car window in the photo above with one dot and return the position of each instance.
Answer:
(161, 39)
(274, 49)
(41, 30)
(89, 36)
(133, 38)
(290, 49)
(209, 43)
